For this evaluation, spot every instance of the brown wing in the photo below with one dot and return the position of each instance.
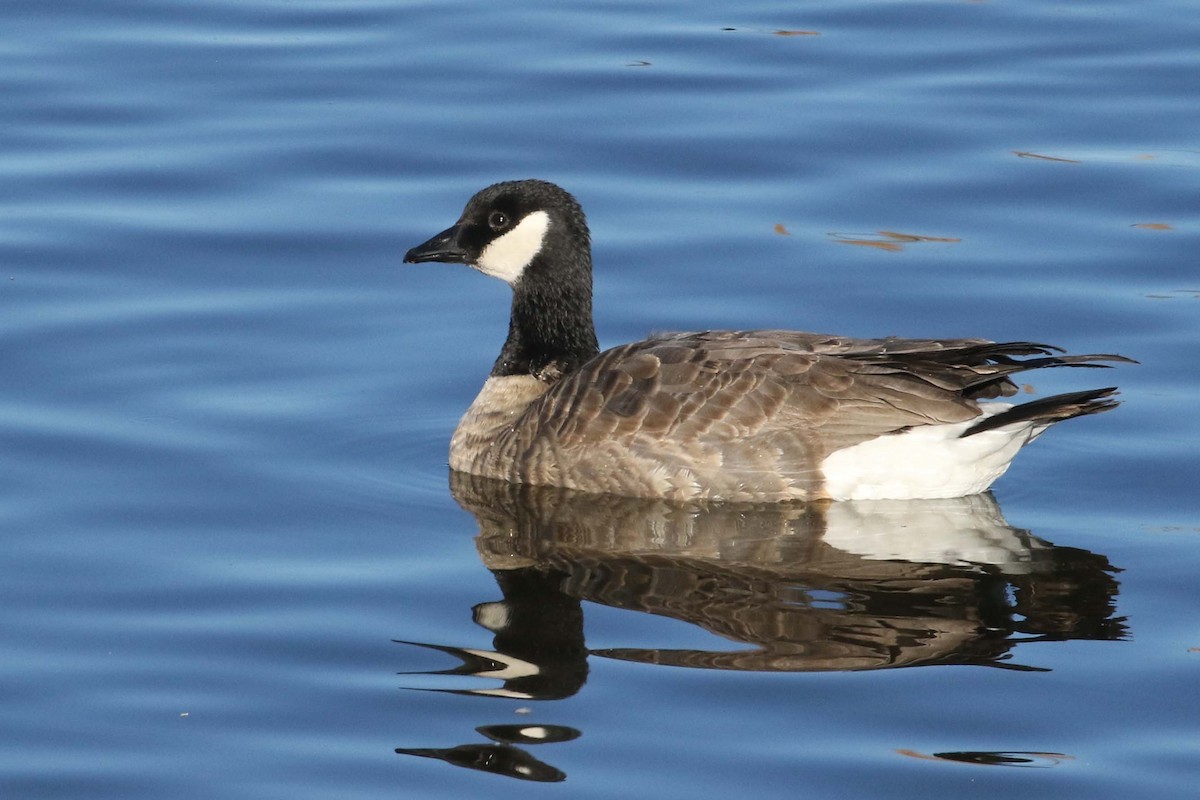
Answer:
(726, 386)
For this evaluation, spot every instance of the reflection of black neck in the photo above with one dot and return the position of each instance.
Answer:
(543, 626)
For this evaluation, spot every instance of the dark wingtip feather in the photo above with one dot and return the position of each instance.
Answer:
(1052, 409)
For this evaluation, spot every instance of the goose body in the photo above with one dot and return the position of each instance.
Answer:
(758, 415)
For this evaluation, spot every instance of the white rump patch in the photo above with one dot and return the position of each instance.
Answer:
(507, 257)
(927, 462)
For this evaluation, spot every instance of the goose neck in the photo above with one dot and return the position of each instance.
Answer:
(551, 332)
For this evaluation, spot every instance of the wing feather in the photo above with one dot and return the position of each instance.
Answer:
(722, 388)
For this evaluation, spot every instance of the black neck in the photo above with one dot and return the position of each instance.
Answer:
(550, 333)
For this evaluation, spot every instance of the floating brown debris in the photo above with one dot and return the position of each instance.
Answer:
(782, 231)
(780, 32)
(891, 241)
(1176, 293)
(1042, 157)
(1153, 226)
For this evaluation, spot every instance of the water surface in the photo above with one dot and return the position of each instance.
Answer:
(235, 565)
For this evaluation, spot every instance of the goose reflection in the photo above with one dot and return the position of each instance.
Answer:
(857, 585)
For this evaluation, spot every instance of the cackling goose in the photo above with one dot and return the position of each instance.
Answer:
(757, 415)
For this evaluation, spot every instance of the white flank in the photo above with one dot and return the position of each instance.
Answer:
(930, 461)
(508, 256)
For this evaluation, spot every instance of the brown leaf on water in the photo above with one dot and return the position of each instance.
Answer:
(891, 247)
(1174, 294)
(1153, 226)
(890, 241)
(797, 33)
(912, 237)
(1027, 388)
(782, 231)
(1040, 156)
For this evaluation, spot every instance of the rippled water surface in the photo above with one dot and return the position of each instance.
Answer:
(234, 564)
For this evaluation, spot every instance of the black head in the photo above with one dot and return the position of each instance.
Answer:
(532, 235)
(507, 225)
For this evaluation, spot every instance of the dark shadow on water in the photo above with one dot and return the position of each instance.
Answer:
(793, 588)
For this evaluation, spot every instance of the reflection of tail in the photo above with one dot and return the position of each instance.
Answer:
(1049, 410)
(1072, 598)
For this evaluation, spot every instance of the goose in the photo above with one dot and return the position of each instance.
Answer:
(719, 415)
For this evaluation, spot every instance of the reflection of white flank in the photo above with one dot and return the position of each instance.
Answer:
(928, 460)
(507, 256)
(513, 667)
(965, 530)
(535, 732)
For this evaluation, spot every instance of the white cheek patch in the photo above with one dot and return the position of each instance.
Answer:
(508, 256)
(510, 667)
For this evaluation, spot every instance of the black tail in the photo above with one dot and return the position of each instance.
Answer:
(979, 370)
(1051, 409)
(996, 383)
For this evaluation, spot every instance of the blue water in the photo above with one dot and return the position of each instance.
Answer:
(233, 563)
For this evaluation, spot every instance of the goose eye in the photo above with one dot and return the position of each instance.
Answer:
(498, 220)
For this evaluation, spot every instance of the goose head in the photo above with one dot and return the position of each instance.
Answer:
(532, 235)
(508, 228)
